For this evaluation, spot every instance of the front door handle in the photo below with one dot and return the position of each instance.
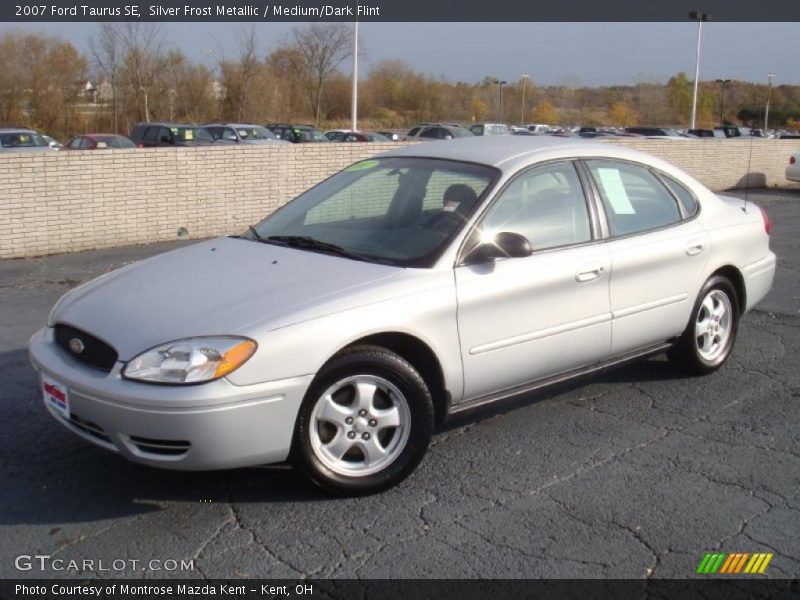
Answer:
(694, 248)
(588, 273)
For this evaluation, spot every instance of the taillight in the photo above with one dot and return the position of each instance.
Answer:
(792, 160)
(767, 222)
(140, 145)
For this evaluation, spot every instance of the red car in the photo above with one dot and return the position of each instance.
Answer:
(99, 141)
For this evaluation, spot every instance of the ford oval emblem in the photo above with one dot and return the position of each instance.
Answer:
(76, 346)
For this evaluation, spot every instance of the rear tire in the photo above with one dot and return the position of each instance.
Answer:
(365, 423)
(710, 335)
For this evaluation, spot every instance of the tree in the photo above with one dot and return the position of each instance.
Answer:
(106, 51)
(42, 80)
(545, 112)
(623, 115)
(679, 96)
(322, 48)
(248, 61)
(142, 65)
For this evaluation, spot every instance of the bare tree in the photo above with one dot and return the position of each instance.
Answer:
(248, 61)
(142, 45)
(107, 54)
(322, 47)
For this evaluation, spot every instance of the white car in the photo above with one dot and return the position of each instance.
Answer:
(404, 289)
(793, 170)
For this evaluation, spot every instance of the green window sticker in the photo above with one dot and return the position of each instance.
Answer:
(363, 165)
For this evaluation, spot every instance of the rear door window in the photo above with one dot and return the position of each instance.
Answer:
(634, 199)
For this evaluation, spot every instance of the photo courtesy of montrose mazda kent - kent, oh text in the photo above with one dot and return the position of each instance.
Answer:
(342, 329)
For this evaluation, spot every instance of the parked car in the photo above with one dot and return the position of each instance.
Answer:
(99, 141)
(793, 170)
(489, 129)
(335, 134)
(407, 288)
(657, 132)
(297, 134)
(707, 133)
(241, 133)
(17, 139)
(392, 136)
(538, 128)
(429, 132)
(356, 136)
(170, 134)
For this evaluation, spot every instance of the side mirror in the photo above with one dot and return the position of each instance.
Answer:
(504, 245)
(448, 137)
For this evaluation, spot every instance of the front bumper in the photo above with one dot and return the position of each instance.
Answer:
(215, 425)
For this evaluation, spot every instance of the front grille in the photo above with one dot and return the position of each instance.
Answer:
(89, 428)
(96, 353)
(161, 447)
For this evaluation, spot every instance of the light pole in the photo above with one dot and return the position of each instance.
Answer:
(722, 83)
(699, 17)
(500, 108)
(766, 109)
(354, 105)
(525, 78)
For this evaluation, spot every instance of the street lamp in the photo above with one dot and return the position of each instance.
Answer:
(766, 109)
(500, 109)
(354, 94)
(525, 78)
(722, 83)
(699, 17)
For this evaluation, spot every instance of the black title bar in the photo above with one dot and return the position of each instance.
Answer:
(399, 10)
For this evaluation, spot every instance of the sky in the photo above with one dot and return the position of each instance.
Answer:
(551, 53)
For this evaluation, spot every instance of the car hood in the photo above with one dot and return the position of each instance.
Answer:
(225, 286)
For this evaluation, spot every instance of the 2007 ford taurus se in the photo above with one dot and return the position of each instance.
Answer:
(405, 288)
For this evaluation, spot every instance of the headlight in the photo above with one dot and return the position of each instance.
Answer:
(192, 360)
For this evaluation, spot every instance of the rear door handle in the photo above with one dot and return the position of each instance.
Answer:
(588, 273)
(694, 248)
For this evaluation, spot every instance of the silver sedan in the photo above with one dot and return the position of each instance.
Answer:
(343, 328)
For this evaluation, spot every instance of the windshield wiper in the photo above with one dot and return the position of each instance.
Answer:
(256, 234)
(308, 243)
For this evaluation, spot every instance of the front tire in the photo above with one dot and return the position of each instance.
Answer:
(365, 422)
(708, 339)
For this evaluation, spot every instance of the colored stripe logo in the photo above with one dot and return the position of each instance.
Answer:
(740, 562)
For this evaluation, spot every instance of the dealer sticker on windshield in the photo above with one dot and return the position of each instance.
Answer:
(363, 165)
(56, 395)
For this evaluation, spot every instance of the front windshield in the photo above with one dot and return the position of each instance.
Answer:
(398, 210)
(23, 139)
(191, 134)
(255, 133)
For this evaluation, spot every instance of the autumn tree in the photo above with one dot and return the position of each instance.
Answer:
(622, 115)
(42, 79)
(545, 112)
(320, 49)
(679, 96)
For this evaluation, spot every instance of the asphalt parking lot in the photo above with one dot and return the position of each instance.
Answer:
(634, 474)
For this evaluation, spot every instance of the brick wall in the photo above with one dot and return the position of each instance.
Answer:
(67, 201)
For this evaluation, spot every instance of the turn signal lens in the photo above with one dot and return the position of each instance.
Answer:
(235, 357)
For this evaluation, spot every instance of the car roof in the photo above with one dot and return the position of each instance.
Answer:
(17, 130)
(507, 152)
(231, 125)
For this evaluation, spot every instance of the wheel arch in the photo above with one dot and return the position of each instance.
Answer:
(736, 278)
(421, 356)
